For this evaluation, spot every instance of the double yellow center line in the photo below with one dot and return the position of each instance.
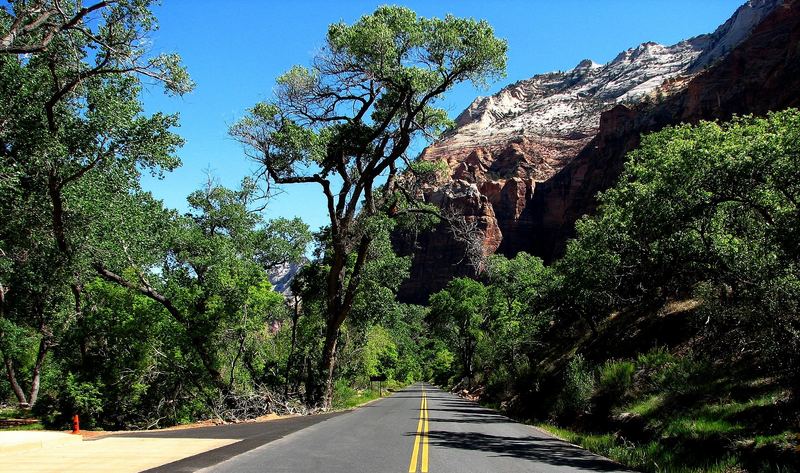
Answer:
(421, 438)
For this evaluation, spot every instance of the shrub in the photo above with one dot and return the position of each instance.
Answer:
(49, 410)
(84, 397)
(615, 377)
(345, 396)
(680, 376)
(579, 386)
(654, 359)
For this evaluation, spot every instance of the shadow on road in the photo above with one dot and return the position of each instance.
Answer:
(543, 450)
(537, 447)
(468, 420)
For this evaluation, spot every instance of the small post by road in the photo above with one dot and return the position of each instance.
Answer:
(380, 379)
(76, 424)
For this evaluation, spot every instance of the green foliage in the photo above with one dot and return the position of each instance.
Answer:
(615, 377)
(520, 287)
(381, 336)
(519, 292)
(18, 342)
(135, 316)
(442, 366)
(430, 172)
(380, 353)
(646, 406)
(650, 457)
(282, 241)
(706, 211)
(349, 119)
(689, 435)
(674, 413)
(403, 57)
(394, 42)
(182, 297)
(85, 398)
(73, 148)
(655, 358)
(709, 206)
(494, 328)
(680, 376)
(579, 385)
(347, 397)
(34, 426)
(460, 314)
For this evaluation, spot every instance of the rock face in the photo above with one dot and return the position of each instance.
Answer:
(532, 157)
(761, 75)
(282, 275)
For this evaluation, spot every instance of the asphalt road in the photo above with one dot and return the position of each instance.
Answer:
(418, 430)
(251, 435)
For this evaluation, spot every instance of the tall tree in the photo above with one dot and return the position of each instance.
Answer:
(73, 134)
(348, 120)
(460, 313)
(212, 266)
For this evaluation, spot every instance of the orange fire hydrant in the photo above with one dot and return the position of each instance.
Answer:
(76, 424)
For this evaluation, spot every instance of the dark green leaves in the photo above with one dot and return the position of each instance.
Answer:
(368, 94)
(289, 146)
(282, 241)
(397, 46)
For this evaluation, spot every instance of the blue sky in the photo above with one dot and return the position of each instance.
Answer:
(234, 49)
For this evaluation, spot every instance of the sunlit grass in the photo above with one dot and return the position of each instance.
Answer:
(616, 376)
(17, 413)
(346, 397)
(698, 428)
(644, 407)
(36, 426)
(732, 408)
(353, 397)
(705, 429)
(784, 439)
(14, 413)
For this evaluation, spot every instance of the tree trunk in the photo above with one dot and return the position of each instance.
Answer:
(10, 373)
(242, 339)
(326, 366)
(340, 297)
(308, 377)
(290, 358)
(12, 378)
(37, 371)
(468, 360)
(323, 385)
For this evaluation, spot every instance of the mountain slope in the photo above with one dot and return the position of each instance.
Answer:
(508, 149)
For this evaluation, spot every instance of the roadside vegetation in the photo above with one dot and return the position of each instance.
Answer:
(15, 418)
(136, 316)
(667, 336)
(346, 396)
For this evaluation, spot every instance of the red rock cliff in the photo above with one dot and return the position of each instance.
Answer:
(526, 163)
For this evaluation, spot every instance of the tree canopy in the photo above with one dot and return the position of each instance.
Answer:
(347, 121)
(74, 140)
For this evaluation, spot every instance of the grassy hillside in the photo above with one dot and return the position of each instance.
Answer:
(668, 336)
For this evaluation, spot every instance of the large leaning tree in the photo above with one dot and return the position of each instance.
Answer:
(346, 123)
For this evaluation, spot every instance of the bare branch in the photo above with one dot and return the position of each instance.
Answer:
(21, 28)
